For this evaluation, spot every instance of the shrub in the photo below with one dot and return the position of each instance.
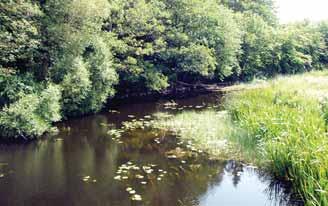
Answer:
(76, 87)
(32, 115)
(12, 85)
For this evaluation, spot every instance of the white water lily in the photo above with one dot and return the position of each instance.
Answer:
(118, 177)
(139, 176)
(128, 189)
(132, 192)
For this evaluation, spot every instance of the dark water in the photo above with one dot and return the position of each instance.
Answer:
(84, 166)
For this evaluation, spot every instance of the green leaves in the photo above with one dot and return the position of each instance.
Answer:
(19, 34)
(140, 30)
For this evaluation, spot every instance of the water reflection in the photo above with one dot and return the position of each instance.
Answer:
(79, 166)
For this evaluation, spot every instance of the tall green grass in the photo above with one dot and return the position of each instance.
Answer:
(286, 123)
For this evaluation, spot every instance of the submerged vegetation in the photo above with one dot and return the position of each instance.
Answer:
(208, 130)
(84, 52)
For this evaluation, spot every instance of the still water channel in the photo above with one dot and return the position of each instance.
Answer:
(85, 166)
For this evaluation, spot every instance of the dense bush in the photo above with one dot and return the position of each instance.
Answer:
(76, 86)
(32, 115)
(12, 86)
(19, 34)
(323, 29)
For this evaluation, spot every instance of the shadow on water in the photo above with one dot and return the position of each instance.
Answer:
(84, 165)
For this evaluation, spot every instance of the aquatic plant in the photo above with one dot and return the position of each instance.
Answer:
(204, 131)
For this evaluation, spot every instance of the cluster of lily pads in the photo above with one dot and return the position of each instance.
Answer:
(142, 123)
(171, 105)
(130, 173)
(137, 124)
(116, 134)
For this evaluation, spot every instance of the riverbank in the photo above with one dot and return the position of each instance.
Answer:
(281, 124)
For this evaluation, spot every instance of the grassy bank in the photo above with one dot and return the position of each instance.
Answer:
(282, 122)
(286, 122)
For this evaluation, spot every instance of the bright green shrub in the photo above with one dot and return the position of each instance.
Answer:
(323, 29)
(76, 87)
(32, 115)
(301, 48)
(89, 82)
(102, 75)
(13, 85)
(263, 8)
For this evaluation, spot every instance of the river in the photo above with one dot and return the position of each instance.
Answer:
(83, 165)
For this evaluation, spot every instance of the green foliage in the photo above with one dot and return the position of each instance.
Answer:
(288, 49)
(102, 75)
(301, 47)
(88, 47)
(82, 56)
(197, 60)
(76, 86)
(263, 8)
(12, 86)
(139, 27)
(203, 23)
(323, 29)
(31, 115)
(19, 34)
(259, 47)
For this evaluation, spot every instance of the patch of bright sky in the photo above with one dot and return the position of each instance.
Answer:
(297, 10)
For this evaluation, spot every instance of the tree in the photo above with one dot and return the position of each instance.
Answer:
(259, 47)
(263, 8)
(207, 27)
(301, 47)
(139, 27)
(76, 50)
